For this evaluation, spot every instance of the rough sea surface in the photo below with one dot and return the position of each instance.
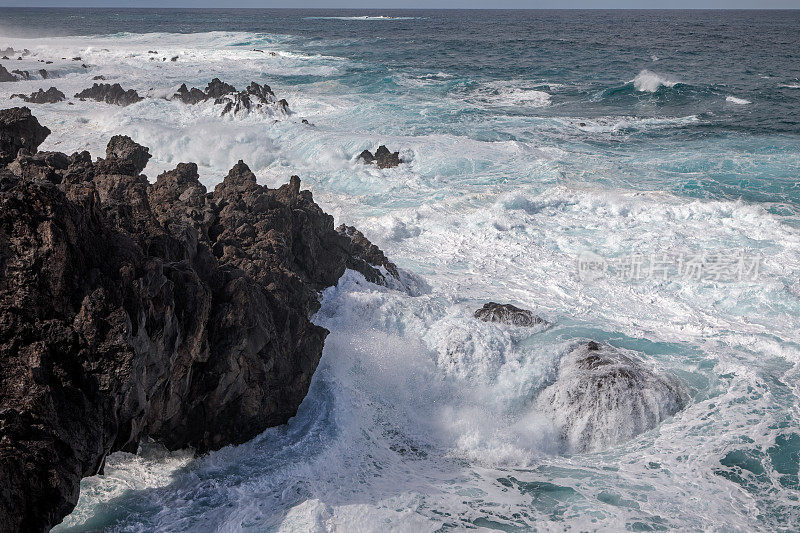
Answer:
(531, 140)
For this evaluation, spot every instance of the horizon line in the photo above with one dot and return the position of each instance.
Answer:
(107, 8)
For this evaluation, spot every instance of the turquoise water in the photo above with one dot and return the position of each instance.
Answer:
(529, 138)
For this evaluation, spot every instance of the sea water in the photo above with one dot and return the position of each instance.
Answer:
(529, 140)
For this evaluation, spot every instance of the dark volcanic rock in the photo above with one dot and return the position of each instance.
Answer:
(188, 96)
(254, 97)
(24, 74)
(19, 129)
(367, 156)
(6, 75)
(507, 314)
(132, 310)
(110, 94)
(44, 74)
(386, 159)
(124, 156)
(50, 96)
(368, 258)
(602, 397)
(383, 157)
(217, 88)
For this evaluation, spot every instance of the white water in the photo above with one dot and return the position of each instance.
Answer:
(420, 416)
(737, 101)
(650, 81)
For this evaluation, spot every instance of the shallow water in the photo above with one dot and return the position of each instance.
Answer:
(530, 138)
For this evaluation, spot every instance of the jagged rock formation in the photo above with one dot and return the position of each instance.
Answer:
(110, 94)
(130, 309)
(5, 75)
(602, 397)
(383, 157)
(368, 259)
(24, 74)
(507, 314)
(9, 51)
(255, 97)
(50, 96)
(19, 129)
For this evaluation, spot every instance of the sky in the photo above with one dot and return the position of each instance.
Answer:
(417, 4)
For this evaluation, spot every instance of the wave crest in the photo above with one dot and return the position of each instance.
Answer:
(647, 81)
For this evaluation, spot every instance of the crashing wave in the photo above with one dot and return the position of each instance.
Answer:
(255, 97)
(603, 397)
(647, 81)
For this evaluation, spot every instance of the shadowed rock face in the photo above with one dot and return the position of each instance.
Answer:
(5, 75)
(130, 309)
(603, 397)
(110, 94)
(383, 157)
(50, 96)
(19, 129)
(507, 314)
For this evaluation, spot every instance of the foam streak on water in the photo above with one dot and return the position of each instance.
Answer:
(421, 418)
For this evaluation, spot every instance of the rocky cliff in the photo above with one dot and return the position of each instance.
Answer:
(130, 309)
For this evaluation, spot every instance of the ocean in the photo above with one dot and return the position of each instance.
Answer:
(534, 143)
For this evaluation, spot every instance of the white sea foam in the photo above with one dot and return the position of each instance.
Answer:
(648, 81)
(363, 17)
(737, 101)
(515, 93)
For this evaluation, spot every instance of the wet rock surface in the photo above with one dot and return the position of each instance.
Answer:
(367, 258)
(507, 314)
(110, 94)
(603, 396)
(50, 96)
(254, 97)
(131, 310)
(383, 157)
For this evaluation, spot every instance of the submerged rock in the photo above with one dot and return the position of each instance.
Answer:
(383, 157)
(24, 74)
(603, 397)
(132, 310)
(507, 314)
(50, 96)
(110, 94)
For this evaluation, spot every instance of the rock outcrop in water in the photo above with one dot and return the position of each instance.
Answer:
(602, 397)
(110, 94)
(5, 75)
(507, 314)
(132, 310)
(383, 157)
(50, 96)
(255, 97)
(368, 258)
